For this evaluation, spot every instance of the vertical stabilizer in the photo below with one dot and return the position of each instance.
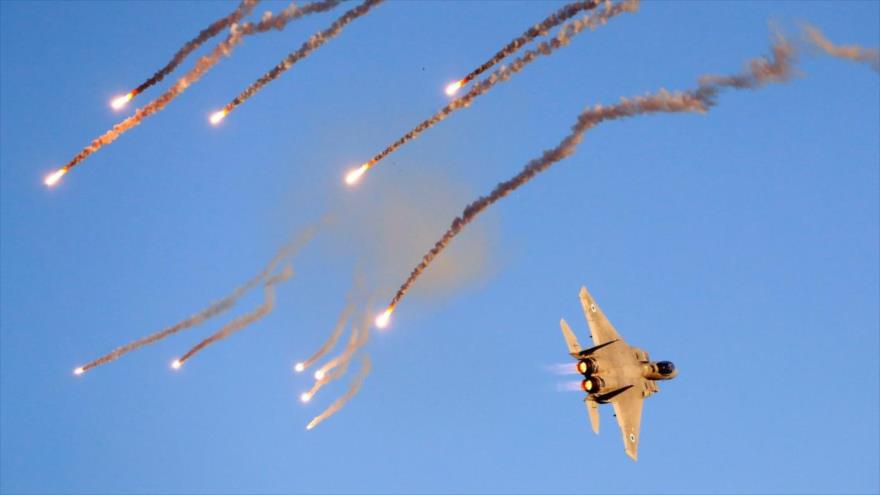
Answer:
(593, 409)
(573, 346)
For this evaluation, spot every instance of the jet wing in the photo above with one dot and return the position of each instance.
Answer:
(628, 409)
(601, 329)
(593, 410)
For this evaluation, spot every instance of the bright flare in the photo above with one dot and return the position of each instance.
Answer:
(382, 320)
(217, 116)
(310, 425)
(305, 397)
(299, 367)
(452, 88)
(120, 101)
(355, 175)
(54, 177)
(79, 371)
(176, 364)
(319, 375)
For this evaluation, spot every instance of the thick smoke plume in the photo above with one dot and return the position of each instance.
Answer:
(243, 9)
(356, 384)
(287, 251)
(202, 66)
(540, 29)
(562, 38)
(312, 44)
(870, 56)
(760, 72)
(242, 321)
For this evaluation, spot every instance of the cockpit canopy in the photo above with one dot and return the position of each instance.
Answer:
(665, 367)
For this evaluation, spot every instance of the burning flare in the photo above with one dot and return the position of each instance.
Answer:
(453, 88)
(54, 177)
(305, 397)
(176, 364)
(382, 320)
(120, 101)
(217, 116)
(299, 367)
(354, 176)
(319, 375)
(79, 371)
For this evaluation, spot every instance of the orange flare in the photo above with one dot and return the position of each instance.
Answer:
(299, 367)
(452, 88)
(217, 116)
(54, 177)
(352, 177)
(310, 425)
(319, 375)
(79, 371)
(176, 364)
(305, 397)
(120, 101)
(382, 320)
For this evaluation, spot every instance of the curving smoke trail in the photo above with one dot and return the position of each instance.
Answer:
(760, 72)
(312, 44)
(244, 8)
(328, 344)
(202, 66)
(870, 56)
(562, 38)
(540, 29)
(360, 334)
(287, 251)
(356, 384)
(242, 321)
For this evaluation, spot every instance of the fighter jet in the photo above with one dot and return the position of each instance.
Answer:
(614, 372)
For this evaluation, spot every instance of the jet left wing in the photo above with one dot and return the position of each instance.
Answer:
(601, 329)
(628, 409)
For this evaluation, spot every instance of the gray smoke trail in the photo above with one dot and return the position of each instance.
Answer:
(202, 66)
(328, 345)
(242, 321)
(562, 38)
(356, 384)
(286, 251)
(312, 44)
(243, 9)
(556, 18)
(360, 334)
(761, 71)
(870, 56)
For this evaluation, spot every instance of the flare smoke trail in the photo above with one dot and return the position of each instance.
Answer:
(312, 44)
(242, 321)
(331, 340)
(356, 384)
(870, 56)
(761, 71)
(556, 18)
(243, 9)
(562, 38)
(288, 250)
(360, 334)
(202, 66)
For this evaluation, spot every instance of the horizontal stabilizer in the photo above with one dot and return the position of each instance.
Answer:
(593, 409)
(603, 398)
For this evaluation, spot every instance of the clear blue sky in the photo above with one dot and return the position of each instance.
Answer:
(741, 244)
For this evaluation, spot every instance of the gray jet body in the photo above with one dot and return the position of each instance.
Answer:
(614, 372)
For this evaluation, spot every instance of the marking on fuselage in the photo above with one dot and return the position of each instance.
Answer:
(593, 308)
(632, 438)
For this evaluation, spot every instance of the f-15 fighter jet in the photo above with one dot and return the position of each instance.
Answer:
(615, 372)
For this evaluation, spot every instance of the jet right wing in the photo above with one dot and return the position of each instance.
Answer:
(601, 329)
(570, 340)
(628, 409)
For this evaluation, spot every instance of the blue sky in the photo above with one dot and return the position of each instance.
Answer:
(741, 244)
